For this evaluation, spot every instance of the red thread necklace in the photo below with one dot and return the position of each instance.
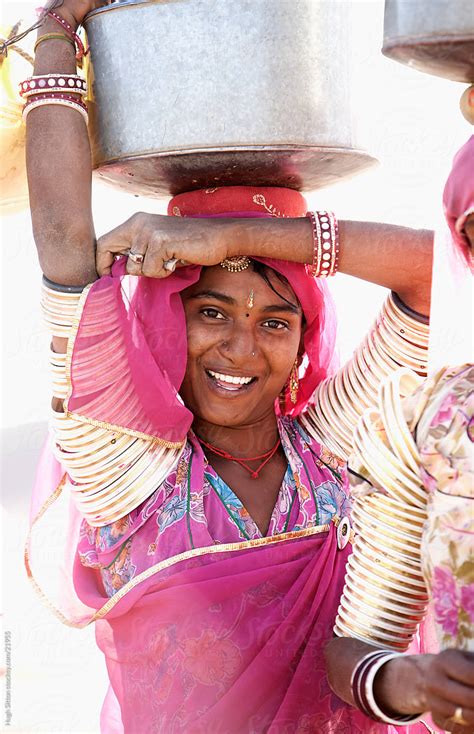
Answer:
(254, 472)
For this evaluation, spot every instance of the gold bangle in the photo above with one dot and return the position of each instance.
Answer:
(109, 508)
(380, 603)
(342, 630)
(385, 505)
(371, 585)
(387, 620)
(55, 37)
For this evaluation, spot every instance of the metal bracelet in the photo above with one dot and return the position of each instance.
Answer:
(62, 288)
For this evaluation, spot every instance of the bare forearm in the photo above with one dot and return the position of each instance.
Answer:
(399, 258)
(395, 257)
(59, 177)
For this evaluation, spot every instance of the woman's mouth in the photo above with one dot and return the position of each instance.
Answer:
(223, 382)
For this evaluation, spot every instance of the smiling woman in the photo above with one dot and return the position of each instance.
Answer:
(204, 519)
(239, 359)
(259, 346)
(216, 499)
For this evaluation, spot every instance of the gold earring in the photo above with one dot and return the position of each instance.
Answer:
(294, 383)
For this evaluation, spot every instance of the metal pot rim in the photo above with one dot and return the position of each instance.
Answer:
(118, 6)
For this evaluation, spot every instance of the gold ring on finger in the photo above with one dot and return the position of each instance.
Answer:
(458, 718)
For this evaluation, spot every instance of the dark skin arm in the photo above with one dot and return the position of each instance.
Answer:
(367, 250)
(58, 162)
(411, 684)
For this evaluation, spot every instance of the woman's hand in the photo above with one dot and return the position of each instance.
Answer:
(74, 11)
(440, 684)
(160, 239)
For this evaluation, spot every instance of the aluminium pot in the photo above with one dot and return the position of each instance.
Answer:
(435, 36)
(189, 94)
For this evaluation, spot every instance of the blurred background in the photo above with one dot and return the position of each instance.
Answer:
(411, 122)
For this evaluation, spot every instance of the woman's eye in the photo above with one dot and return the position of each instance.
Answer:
(212, 313)
(275, 324)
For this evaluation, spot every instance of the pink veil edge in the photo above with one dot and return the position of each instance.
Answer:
(51, 545)
(154, 349)
(451, 319)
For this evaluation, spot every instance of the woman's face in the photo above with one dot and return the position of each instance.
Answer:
(239, 356)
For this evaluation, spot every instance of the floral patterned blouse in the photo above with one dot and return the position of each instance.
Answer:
(443, 411)
(156, 530)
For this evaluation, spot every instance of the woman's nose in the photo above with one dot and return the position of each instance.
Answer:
(240, 345)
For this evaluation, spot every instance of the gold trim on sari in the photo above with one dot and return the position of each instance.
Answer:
(167, 563)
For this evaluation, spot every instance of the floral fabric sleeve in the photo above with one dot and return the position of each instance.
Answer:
(442, 410)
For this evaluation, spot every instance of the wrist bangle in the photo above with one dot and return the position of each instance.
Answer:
(369, 695)
(326, 244)
(45, 83)
(81, 51)
(52, 100)
(54, 36)
(409, 311)
(62, 288)
(362, 685)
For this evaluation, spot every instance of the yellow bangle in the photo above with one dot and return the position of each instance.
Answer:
(52, 37)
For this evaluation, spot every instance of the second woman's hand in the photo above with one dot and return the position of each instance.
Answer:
(155, 240)
(441, 684)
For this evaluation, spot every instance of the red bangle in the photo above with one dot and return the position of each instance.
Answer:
(56, 95)
(58, 82)
(81, 51)
(326, 244)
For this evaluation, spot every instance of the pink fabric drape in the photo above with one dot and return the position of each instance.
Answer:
(232, 643)
(227, 640)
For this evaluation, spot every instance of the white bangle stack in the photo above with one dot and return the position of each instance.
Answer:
(109, 472)
(395, 340)
(385, 594)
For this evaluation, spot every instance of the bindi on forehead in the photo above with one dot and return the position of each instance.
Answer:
(245, 289)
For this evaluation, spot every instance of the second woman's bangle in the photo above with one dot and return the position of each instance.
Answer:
(362, 684)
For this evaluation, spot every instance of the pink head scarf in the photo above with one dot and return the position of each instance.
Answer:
(458, 196)
(148, 316)
(451, 291)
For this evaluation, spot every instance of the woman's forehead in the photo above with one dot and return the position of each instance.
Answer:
(239, 285)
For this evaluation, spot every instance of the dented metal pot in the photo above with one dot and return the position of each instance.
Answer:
(195, 93)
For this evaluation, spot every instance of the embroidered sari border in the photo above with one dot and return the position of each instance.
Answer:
(206, 550)
(162, 565)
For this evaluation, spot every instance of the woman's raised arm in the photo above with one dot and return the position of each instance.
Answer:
(398, 258)
(59, 166)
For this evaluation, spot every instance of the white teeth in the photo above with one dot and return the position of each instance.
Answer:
(230, 378)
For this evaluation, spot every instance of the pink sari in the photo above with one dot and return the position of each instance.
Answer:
(231, 641)
(219, 638)
(205, 637)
